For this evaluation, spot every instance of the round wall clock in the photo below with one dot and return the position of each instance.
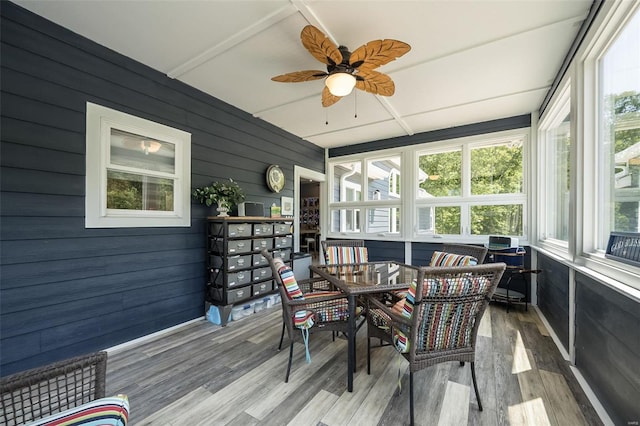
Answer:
(275, 178)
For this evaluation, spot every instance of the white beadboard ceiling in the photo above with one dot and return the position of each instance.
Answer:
(470, 61)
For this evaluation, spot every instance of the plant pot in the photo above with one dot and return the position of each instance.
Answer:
(223, 210)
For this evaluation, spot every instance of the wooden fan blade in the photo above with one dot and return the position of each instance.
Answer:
(320, 46)
(375, 82)
(329, 99)
(377, 53)
(300, 76)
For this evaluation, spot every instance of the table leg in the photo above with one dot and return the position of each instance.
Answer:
(351, 335)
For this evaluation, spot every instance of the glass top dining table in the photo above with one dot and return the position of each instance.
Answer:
(364, 278)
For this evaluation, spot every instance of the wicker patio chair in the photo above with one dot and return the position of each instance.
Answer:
(478, 252)
(438, 320)
(47, 390)
(306, 313)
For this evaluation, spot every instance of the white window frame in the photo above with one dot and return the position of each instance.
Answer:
(609, 23)
(560, 105)
(466, 200)
(100, 120)
(408, 202)
(362, 206)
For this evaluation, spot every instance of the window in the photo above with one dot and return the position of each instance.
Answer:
(366, 195)
(465, 188)
(618, 150)
(347, 181)
(475, 188)
(554, 170)
(383, 178)
(440, 174)
(138, 172)
(394, 183)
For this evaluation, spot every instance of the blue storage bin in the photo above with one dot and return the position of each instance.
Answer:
(213, 315)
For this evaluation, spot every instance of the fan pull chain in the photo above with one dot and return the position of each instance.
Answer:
(326, 116)
(355, 104)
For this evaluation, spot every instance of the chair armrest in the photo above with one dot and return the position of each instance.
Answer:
(45, 390)
(395, 317)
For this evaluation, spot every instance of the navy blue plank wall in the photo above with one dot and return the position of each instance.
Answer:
(553, 296)
(509, 123)
(385, 250)
(608, 347)
(67, 290)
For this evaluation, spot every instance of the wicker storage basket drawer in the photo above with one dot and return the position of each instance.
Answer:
(262, 288)
(262, 243)
(281, 228)
(282, 242)
(261, 273)
(259, 260)
(233, 262)
(263, 229)
(235, 229)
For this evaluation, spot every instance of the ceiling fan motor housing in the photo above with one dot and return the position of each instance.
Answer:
(343, 66)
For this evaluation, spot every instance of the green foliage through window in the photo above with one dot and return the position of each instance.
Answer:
(496, 169)
(128, 191)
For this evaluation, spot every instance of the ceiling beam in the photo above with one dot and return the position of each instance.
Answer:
(235, 39)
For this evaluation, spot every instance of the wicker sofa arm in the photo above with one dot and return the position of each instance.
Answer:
(43, 391)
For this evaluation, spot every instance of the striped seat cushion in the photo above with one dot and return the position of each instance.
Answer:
(337, 255)
(111, 411)
(440, 258)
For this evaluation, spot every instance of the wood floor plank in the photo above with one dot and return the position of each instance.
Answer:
(520, 355)
(531, 316)
(204, 374)
(544, 351)
(455, 405)
(508, 399)
(536, 403)
(562, 402)
(349, 402)
(289, 408)
(221, 407)
(172, 414)
(260, 407)
(194, 332)
(429, 386)
(374, 404)
(484, 328)
(313, 412)
(485, 375)
(503, 329)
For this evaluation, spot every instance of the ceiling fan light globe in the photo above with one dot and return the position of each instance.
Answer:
(150, 146)
(340, 83)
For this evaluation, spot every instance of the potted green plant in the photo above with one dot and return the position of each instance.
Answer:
(224, 194)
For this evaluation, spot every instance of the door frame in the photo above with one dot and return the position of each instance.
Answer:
(302, 173)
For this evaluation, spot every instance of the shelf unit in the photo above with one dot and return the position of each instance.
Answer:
(310, 213)
(236, 271)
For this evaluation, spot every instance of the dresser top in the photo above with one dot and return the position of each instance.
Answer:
(249, 219)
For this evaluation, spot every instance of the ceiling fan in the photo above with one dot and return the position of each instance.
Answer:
(346, 69)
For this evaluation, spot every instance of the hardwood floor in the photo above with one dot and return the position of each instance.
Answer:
(204, 374)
